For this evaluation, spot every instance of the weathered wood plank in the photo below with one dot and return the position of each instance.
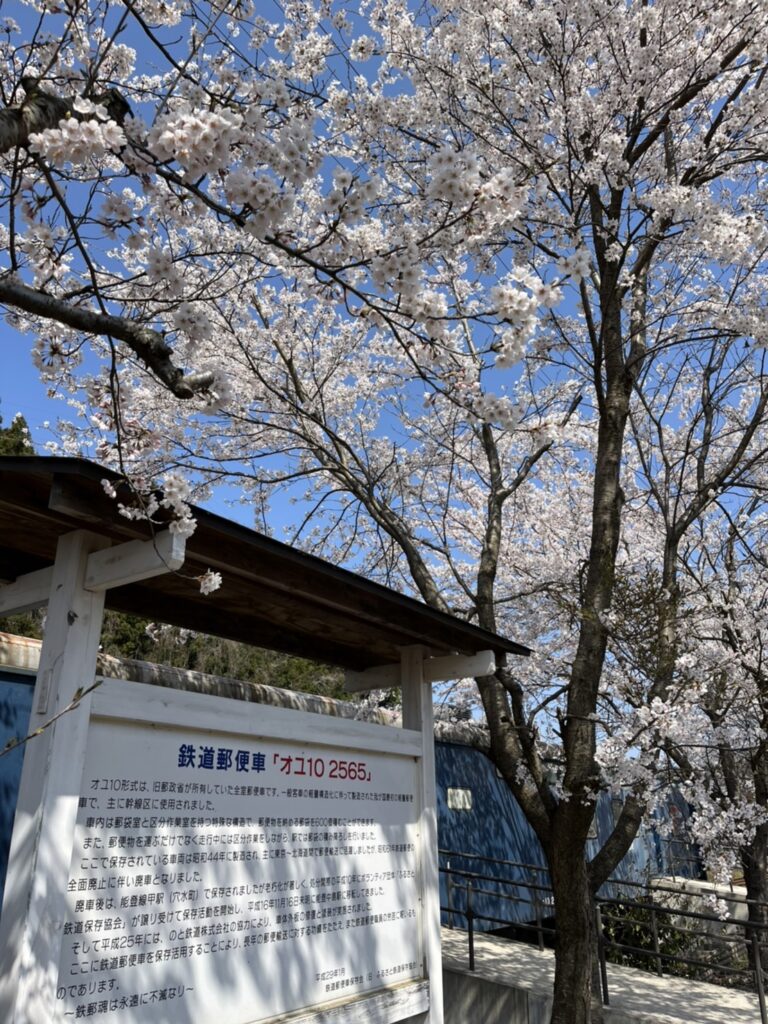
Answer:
(135, 560)
(29, 591)
(449, 666)
(418, 715)
(140, 702)
(389, 1007)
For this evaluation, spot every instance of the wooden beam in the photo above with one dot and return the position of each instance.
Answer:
(381, 677)
(435, 670)
(34, 903)
(145, 703)
(29, 591)
(459, 666)
(110, 567)
(64, 498)
(418, 715)
(135, 560)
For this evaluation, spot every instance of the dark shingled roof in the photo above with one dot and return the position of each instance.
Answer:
(273, 596)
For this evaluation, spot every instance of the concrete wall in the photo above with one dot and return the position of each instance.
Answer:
(471, 998)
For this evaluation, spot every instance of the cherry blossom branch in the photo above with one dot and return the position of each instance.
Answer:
(148, 345)
(41, 109)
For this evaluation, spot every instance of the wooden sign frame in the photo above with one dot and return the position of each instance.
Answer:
(64, 707)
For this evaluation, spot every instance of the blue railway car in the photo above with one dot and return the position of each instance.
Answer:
(15, 708)
(483, 831)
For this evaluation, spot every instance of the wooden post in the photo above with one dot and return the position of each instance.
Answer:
(418, 715)
(38, 867)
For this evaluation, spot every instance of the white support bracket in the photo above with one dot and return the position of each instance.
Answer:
(109, 567)
(134, 560)
(29, 591)
(449, 666)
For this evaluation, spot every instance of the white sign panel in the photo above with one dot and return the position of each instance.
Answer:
(218, 877)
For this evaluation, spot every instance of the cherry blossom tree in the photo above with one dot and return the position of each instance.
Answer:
(487, 280)
(723, 759)
(687, 618)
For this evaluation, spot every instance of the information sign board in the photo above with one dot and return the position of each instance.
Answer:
(234, 877)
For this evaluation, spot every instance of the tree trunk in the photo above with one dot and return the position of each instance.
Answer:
(754, 860)
(576, 1000)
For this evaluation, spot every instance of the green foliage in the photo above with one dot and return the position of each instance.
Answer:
(14, 440)
(127, 636)
(27, 624)
(633, 926)
(716, 946)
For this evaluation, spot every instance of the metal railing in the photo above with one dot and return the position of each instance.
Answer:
(494, 890)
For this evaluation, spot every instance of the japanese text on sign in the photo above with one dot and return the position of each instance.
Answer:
(200, 866)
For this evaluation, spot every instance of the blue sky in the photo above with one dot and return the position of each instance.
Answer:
(21, 389)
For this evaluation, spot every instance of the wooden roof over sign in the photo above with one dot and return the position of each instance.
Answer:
(272, 596)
